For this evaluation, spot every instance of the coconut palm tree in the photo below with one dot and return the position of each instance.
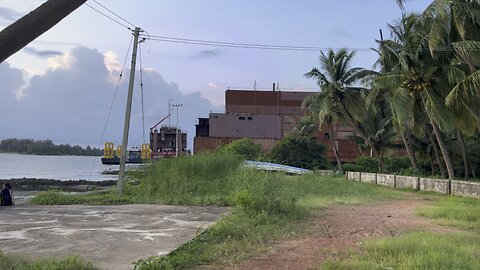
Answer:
(422, 79)
(341, 92)
(320, 109)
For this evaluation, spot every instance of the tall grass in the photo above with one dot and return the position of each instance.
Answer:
(416, 250)
(265, 206)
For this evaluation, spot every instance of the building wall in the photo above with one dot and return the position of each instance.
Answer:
(211, 143)
(238, 125)
(265, 102)
(274, 115)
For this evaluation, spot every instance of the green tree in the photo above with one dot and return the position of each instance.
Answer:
(299, 151)
(339, 84)
(319, 109)
(245, 148)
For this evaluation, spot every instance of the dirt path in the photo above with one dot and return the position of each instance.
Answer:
(339, 228)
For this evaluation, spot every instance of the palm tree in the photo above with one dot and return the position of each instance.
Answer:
(28, 28)
(422, 79)
(339, 82)
(320, 109)
(378, 126)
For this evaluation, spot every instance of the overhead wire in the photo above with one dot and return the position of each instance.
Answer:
(109, 17)
(141, 93)
(201, 42)
(113, 102)
(115, 14)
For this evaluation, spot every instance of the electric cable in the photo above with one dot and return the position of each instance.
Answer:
(115, 14)
(112, 19)
(111, 104)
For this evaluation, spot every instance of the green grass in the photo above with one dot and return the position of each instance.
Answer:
(416, 250)
(463, 213)
(265, 206)
(12, 262)
(98, 198)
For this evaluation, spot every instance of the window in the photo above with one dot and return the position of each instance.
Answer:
(327, 135)
(215, 117)
(250, 118)
(241, 118)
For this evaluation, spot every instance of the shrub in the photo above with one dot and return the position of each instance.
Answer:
(245, 148)
(397, 164)
(299, 151)
(351, 167)
(368, 164)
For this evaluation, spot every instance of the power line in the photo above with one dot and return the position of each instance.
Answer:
(253, 46)
(112, 19)
(112, 103)
(115, 14)
(200, 42)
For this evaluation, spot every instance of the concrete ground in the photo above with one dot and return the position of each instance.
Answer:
(112, 237)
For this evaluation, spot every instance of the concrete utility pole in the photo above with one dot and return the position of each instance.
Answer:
(126, 127)
(20, 33)
(176, 136)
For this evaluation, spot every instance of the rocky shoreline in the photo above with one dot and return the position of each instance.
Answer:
(38, 184)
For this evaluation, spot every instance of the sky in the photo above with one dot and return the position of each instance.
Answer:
(61, 86)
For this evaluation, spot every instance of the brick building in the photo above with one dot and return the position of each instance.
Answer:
(265, 117)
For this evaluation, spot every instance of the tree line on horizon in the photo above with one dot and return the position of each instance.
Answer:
(422, 94)
(45, 147)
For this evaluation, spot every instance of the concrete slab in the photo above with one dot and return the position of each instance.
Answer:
(112, 237)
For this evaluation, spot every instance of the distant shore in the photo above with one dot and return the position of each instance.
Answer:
(39, 184)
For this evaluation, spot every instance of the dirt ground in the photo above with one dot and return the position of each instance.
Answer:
(339, 228)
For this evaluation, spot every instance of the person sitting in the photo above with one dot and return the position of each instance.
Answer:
(7, 195)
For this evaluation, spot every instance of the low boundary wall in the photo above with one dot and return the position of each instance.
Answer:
(458, 188)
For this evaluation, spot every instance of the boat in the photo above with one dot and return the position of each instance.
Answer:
(134, 156)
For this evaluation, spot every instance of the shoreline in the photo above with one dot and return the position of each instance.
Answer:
(40, 184)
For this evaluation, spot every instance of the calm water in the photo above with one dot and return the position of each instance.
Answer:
(53, 167)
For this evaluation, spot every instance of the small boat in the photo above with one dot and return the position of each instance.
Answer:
(134, 156)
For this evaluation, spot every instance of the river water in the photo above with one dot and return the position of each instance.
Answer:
(53, 167)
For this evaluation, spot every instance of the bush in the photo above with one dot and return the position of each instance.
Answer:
(397, 164)
(245, 148)
(351, 167)
(368, 164)
(299, 151)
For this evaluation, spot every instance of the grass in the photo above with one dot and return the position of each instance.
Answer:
(426, 250)
(12, 262)
(265, 206)
(98, 198)
(416, 250)
(463, 213)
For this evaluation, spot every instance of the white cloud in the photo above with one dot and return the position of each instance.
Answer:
(111, 61)
(70, 101)
(60, 61)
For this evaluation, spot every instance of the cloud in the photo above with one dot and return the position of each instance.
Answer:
(70, 102)
(206, 54)
(41, 53)
(215, 85)
(8, 15)
(12, 81)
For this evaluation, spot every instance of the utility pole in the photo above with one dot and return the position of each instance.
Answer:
(20, 33)
(126, 127)
(176, 136)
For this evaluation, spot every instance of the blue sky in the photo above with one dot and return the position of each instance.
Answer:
(86, 50)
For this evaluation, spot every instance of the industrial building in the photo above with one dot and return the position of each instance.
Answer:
(163, 141)
(266, 117)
